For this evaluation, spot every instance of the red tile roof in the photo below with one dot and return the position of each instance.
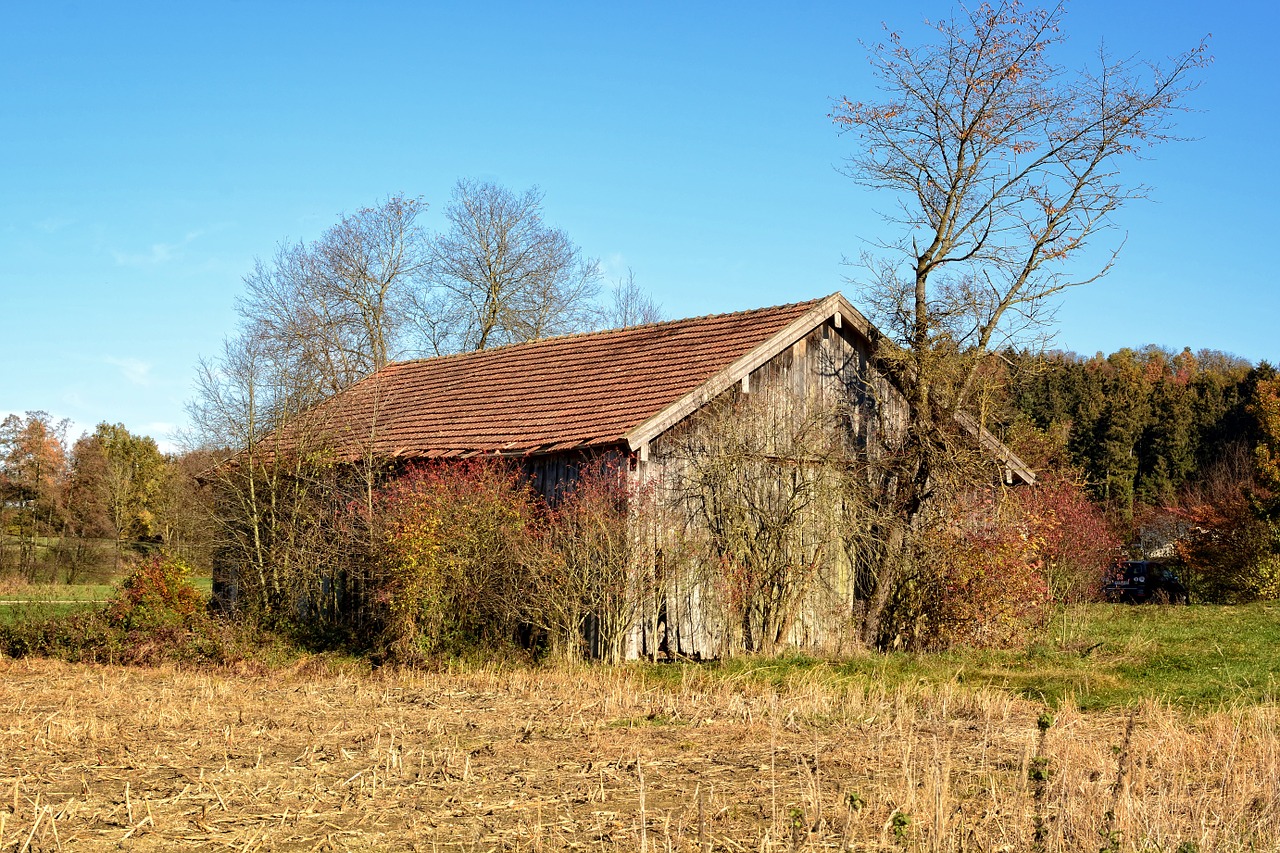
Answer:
(585, 390)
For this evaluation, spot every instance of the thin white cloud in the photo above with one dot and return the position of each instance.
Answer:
(159, 253)
(614, 266)
(53, 223)
(135, 370)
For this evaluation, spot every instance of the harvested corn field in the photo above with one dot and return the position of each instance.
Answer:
(97, 758)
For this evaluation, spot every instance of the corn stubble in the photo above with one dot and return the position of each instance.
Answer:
(97, 758)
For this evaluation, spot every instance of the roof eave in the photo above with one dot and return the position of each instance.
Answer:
(997, 448)
(833, 305)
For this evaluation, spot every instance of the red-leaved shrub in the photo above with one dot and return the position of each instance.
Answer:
(157, 593)
(984, 581)
(998, 559)
(1078, 544)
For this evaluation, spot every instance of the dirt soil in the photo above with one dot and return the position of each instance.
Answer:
(98, 758)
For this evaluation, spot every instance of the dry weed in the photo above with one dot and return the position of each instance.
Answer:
(95, 757)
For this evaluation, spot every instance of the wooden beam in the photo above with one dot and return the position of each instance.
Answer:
(1015, 467)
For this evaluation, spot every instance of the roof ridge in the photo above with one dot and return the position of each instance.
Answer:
(600, 332)
(588, 389)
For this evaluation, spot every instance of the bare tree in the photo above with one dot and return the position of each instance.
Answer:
(337, 309)
(760, 478)
(294, 509)
(630, 305)
(1005, 167)
(501, 275)
(291, 527)
(261, 498)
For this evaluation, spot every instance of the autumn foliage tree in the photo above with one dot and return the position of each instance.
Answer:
(32, 475)
(57, 505)
(131, 475)
(1265, 407)
(1226, 525)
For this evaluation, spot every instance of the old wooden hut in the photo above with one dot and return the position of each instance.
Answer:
(632, 394)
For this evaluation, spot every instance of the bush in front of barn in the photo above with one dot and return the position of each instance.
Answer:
(980, 578)
(451, 575)
(474, 561)
(582, 559)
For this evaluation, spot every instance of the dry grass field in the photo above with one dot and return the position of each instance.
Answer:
(108, 758)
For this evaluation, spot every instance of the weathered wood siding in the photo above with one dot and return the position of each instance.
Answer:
(830, 371)
(552, 474)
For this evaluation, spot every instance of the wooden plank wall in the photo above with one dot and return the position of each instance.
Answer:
(831, 369)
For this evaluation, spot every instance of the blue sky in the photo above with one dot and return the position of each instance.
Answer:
(150, 152)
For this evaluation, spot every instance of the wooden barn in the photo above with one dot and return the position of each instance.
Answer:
(636, 395)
